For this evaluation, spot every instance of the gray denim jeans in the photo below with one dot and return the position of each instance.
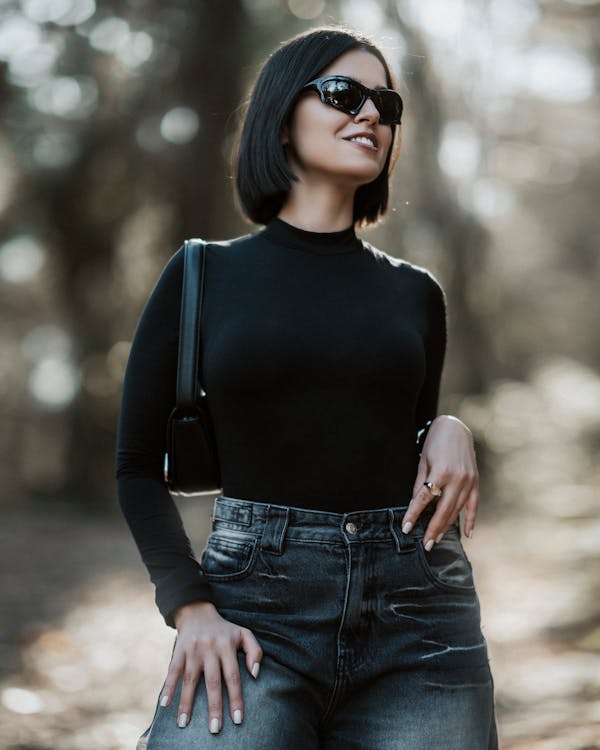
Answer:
(369, 641)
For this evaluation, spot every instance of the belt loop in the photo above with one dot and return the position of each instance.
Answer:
(274, 529)
(404, 542)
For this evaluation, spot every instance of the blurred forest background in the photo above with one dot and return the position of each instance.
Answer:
(117, 125)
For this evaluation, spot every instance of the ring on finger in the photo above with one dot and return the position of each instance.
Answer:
(433, 488)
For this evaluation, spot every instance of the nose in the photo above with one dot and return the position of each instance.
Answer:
(368, 110)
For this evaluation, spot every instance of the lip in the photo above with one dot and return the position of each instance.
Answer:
(365, 134)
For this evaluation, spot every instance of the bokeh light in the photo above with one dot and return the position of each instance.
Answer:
(21, 259)
(306, 9)
(109, 34)
(54, 382)
(180, 125)
(55, 150)
(60, 12)
(21, 701)
(71, 97)
(559, 74)
(460, 149)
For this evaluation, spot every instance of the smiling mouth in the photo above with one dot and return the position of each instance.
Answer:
(363, 141)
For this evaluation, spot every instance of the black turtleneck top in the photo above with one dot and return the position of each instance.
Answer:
(321, 359)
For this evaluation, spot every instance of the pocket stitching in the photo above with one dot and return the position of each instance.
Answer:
(434, 578)
(234, 547)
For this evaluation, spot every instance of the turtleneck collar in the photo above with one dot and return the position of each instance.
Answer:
(280, 232)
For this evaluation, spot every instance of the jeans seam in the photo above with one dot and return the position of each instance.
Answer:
(339, 659)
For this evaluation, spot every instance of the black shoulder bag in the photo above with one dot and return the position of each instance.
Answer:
(191, 465)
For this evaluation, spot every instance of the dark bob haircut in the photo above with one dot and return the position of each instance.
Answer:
(261, 170)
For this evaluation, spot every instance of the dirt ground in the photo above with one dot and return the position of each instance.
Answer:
(84, 651)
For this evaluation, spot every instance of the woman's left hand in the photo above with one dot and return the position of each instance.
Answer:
(448, 460)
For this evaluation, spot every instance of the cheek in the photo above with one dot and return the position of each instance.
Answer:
(311, 141)
(313, 125)
(387, 140)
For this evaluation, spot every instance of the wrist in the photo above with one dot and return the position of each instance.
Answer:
(455, 420)
(193, 608)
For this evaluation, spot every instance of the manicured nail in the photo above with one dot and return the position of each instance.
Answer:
(237, 716)
(407, 527)
(471, 533)
(255, 669)
(214, 725)
(429, 545)
(182, 720)
(164, 700)
(438, 539)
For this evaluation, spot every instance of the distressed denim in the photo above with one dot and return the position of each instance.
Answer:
(369, 641)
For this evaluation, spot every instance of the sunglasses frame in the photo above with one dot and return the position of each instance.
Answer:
(367, 93)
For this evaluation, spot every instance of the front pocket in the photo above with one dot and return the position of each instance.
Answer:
(447, 565)
(228, 558)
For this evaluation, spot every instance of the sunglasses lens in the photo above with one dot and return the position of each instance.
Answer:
(347, 96)
(389, 106)
(342, 94)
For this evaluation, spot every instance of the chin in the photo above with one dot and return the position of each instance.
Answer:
(364, 176)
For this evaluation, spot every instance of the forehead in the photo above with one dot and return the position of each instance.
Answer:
(361, 65)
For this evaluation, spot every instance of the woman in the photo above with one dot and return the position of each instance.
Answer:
(335, 566)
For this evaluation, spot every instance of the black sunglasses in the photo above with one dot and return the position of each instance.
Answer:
(349, 95)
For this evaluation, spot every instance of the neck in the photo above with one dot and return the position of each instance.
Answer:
(318, 208)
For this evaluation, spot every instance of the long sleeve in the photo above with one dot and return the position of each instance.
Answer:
(435, 351)
(147, 399)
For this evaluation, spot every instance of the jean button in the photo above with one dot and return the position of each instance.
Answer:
(351, 527)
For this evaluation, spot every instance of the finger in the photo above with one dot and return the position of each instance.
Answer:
(254, 652)
(212, 679)
(416, 506)
(456, 514)
(175, 671)
(450, 510)
(422, 473)
(440, 520)
(191, 677)
(464, 497)
(471, 505)
(231, 674)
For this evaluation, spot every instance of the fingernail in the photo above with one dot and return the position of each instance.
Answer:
(429, 545)
(439, 537)
(471, 533)
(407, 527)
(255, 669)
(182, 720)
(164, 700)
(237, 716)
(214, 725)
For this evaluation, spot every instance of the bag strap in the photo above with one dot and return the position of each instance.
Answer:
(192, 294)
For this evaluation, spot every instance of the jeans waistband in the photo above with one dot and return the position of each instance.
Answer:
(274, 523)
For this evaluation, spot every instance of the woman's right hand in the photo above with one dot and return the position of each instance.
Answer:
(208, 643)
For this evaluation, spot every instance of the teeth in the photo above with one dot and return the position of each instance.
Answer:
(363, 139)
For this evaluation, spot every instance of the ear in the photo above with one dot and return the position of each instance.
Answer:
(285, 135)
